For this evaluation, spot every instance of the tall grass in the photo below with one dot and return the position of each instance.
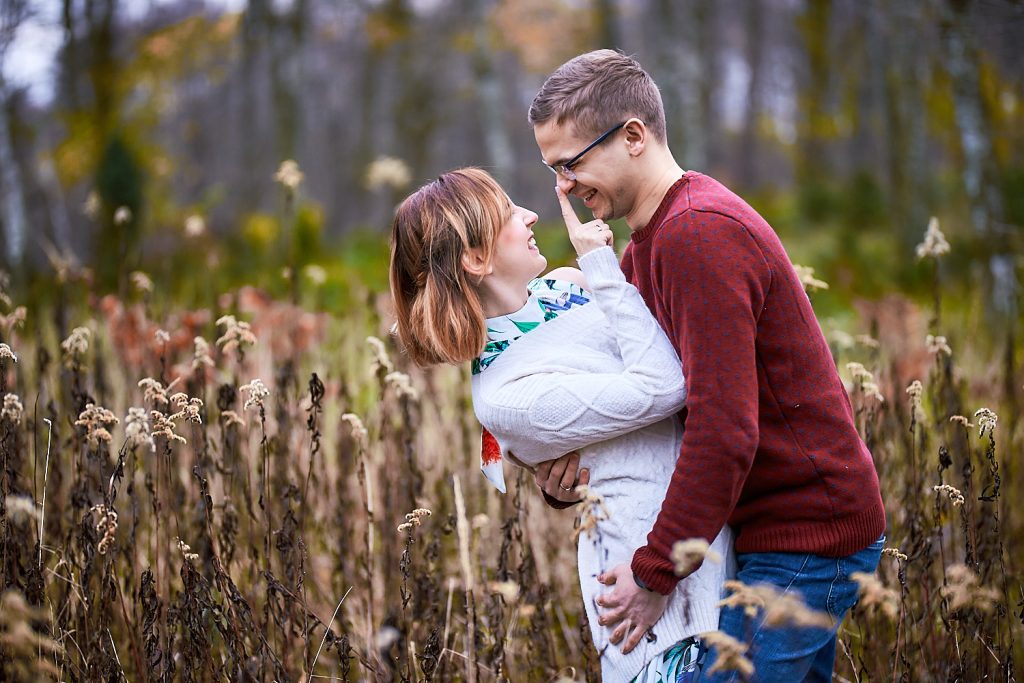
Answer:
(285, 499)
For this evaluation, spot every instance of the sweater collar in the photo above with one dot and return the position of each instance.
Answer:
(670, 196)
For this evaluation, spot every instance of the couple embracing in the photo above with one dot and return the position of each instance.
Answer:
(687, 383)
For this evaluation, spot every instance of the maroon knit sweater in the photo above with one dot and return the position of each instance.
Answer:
(770, 445)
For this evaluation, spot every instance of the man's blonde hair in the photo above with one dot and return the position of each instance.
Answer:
(597, 90)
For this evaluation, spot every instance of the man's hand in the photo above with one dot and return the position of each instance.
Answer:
(633, 608)
(559, 478)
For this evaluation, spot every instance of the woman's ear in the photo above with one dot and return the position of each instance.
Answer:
(474, 263)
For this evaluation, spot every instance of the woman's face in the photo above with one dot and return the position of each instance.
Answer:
(517, 260)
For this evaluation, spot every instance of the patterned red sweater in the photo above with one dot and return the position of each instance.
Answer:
(770, 445)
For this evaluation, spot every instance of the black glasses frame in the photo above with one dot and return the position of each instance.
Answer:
(565, 170)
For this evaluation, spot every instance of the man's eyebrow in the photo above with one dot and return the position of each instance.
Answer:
(557, 163)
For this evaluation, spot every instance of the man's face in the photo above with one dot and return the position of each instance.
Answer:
(600, 181)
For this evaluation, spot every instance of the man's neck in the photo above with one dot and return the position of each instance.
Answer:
(652, 192)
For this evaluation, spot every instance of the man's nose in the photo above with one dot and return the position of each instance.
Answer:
(565, 184)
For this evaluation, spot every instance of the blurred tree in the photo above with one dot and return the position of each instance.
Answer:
(980, 175)
(747, 142)
(493, 109)
(119, 183)
(12, 200)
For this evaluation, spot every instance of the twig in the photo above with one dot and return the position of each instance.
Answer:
(324, 639)
(46, 471)
(116, 658)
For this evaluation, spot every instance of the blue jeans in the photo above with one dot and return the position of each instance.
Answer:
(788, 654)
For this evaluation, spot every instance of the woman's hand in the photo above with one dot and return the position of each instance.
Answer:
(585, 237)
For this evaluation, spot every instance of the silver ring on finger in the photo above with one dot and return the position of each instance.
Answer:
(565, 488)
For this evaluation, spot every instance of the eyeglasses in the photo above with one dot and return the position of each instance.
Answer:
(565, 169)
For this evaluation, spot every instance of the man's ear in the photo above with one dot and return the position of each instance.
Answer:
(474, 263)
(636, 136)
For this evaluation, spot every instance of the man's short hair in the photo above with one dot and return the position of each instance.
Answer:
(597, 90)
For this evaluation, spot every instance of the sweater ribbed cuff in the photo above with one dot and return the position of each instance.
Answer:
(600, 265)
(656, 572)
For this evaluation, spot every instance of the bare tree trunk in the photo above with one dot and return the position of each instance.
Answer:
(746, 157)
(606, 15)
(493, 110)
(979, 175)
(11, 196)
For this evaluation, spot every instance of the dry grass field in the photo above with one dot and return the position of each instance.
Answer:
(260, 492)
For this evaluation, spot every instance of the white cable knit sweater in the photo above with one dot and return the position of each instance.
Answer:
(604, 379)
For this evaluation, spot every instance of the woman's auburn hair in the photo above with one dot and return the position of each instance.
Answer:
(440, 317)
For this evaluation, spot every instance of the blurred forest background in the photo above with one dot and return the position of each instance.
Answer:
(847, 124)
(195, 195)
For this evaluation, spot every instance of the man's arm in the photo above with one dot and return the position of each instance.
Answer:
(714, 280)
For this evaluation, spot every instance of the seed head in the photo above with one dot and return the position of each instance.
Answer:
(289, 175)
(230, 417)
(136, 429)
(141, 282)
(15, 318)
(937, 345)
(807, 279)
(76, 345)
(195, 226)
(97, 422)
(106, 525)
(955, 496)
(842, 339)
(935, 244)
(236, 333)
(12, 411)
(858, 371)
(867, 340)
(186, 550)
(871, 390)
(257, 392)
(122, 215)
(894, 552)
(164, 426)
(780, 607)
(915, 391)
(402, 384)
(986, 421)
(387, 172)
(964, 590)
(592, 513)
(21, 509)
(359, 432)
(967, 424)
(316, 274)
(6, 352)
(509, 590)
(162, 337)
(155, 392)
(413, 519)
(874, 595)
(689, 553)
(731, 653)
(380, 355)
(91, 205)
(187, 408)
(201, 358)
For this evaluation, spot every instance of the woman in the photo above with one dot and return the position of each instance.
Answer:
(570, 361)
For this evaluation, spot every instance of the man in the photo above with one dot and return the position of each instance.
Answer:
(770, 445)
